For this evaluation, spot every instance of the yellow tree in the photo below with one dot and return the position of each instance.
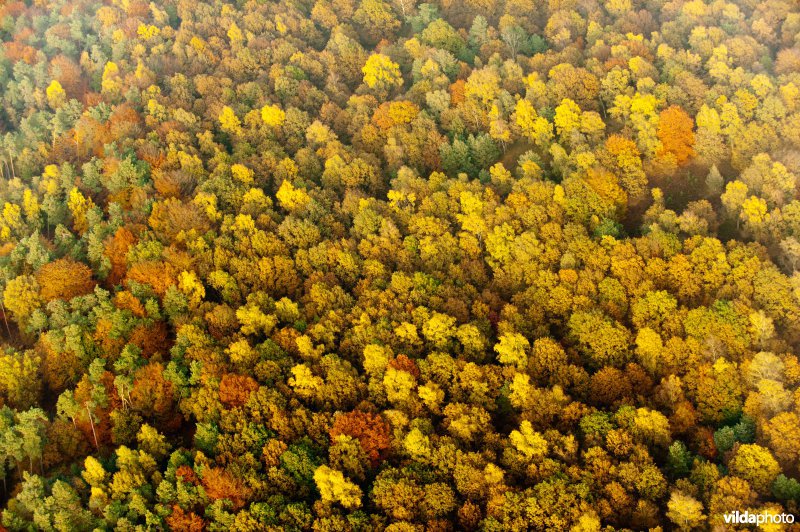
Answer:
(511, 350)
(381, 73)
(242, 174)
(291, 198)
(55, 94)
(628, 163)
(111, 82)
(567, 118)
(21, 297)
(528, 441)
(229, 122)
(273, 116)
(79, 205)
(482, 86)
(733, 198)
(783, 432)
(685, 511)
(754, 214)
(536, 128)
(235, 34)
(756, 465)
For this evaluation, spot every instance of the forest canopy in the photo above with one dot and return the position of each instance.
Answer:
(350, 265)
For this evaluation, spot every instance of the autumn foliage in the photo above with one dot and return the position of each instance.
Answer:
(350, 265)
(235, 389)
(219, 484)
(186, 521)
(370, 430)
(64, 279)
(156, 274)
(675, 131)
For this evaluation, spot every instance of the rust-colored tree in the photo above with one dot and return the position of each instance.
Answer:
(675, 133)
(185, 521)
(64, 279)
(220, 484)
(153, 397)
(116, 249)
(371, 431)
(235, 389)
(151, 339)
(172, 216)
(158, 274)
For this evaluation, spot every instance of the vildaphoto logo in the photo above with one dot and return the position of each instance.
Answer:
(758, 519)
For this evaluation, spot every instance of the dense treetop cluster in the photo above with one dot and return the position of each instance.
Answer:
(390, 265)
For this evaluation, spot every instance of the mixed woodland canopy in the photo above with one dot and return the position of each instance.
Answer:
(351, 265)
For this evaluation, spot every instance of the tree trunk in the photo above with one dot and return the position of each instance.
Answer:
(3, 307)
(11, 159)
(91, 422)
